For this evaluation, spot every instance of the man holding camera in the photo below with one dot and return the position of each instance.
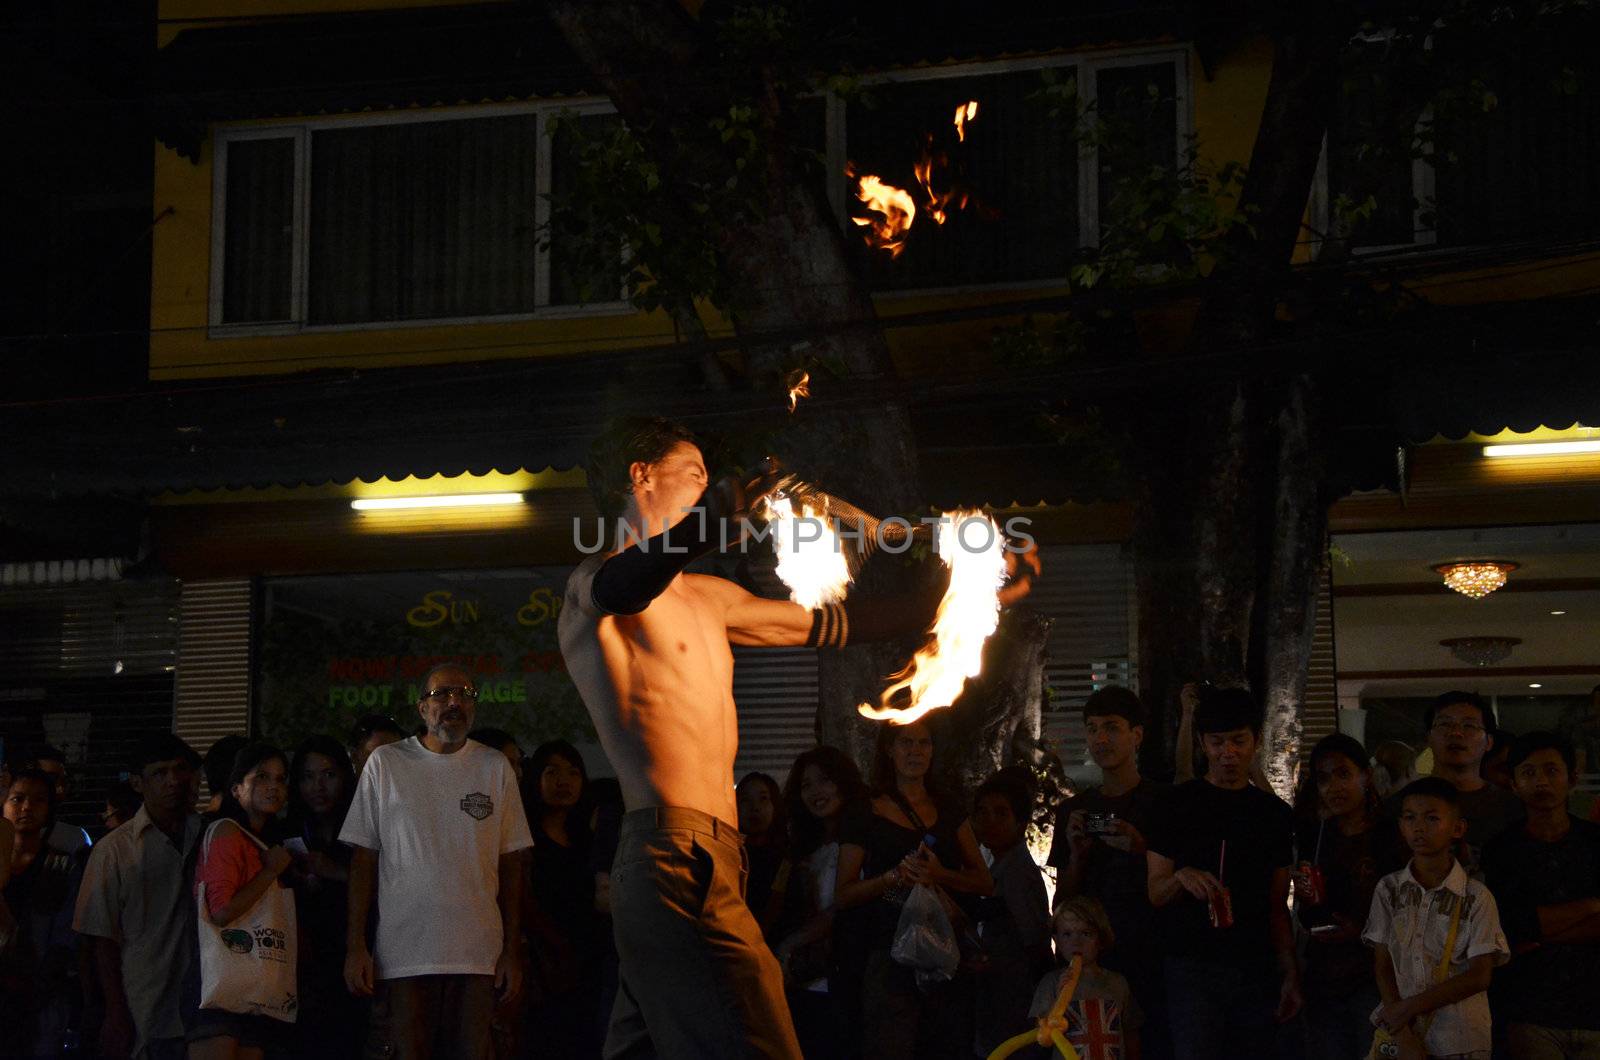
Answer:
(1099, 850)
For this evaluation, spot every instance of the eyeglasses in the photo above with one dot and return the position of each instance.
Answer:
(1466, 728)
(467, 693)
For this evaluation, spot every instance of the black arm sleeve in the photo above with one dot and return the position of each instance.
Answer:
(627, 582)
(865, 621)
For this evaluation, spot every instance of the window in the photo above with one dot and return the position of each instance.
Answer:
(1521, 162)
(1036, 198)
(341, 222)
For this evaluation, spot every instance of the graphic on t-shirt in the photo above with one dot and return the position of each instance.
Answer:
(1094, 1027)
(478, 806)
(238, 941)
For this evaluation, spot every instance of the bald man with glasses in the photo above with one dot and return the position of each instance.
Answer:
(436, 823)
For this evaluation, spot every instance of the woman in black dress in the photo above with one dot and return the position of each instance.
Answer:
(331, 1022)
(909, 833)
(563, 917)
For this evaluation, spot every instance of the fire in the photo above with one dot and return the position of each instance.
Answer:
(894, 209)
(811, 561)
(799, 387)
(971, 545)
(966, 112)
(893, 206)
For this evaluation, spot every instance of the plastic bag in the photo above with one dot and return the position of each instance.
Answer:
(924, 939)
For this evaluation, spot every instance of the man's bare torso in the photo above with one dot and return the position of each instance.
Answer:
(659, 688)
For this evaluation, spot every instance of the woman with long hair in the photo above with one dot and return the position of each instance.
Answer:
(322, 781)
(561, 894)
(1342, 852)
(909, 833)
(239, 861)
(822, 783)
(764, 823)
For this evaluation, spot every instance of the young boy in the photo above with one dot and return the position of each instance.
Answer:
(1014, 923)
(1410, 924)
(1103, 1019)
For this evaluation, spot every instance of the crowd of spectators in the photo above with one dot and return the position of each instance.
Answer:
(442, 893)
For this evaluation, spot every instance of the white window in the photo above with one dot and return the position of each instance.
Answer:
(378, 221)
(1037, 193)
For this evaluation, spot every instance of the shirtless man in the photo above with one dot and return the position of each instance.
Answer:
(648, 647)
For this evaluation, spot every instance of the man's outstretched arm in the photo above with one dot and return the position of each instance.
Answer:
(756, 621)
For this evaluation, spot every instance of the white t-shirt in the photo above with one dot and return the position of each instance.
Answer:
(439, 824)
(1414, 923)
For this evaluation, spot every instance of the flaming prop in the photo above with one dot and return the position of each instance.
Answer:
(811, 559)
(891, 210)
(799, 383)
(967, 615)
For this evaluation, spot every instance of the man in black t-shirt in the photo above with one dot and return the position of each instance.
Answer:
(1099, 850)
(1459, 727)
(1545, 876)
(1219, 859)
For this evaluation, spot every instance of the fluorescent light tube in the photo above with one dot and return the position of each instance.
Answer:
(1541, 449)
(445, 500)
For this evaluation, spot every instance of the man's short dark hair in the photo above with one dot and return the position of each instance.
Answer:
(1013, 784)
(1227, 709)
(218, 762)
(368, 724)
(47, 753)
(1114, 700)
(161, 747)
(623, 443)
(1432, 788)
(1450, 699)
(1529, 742)
(36, 776)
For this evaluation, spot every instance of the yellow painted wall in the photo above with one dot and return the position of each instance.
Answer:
(1226, 109)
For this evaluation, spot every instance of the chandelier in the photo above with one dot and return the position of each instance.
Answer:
(1475, 578)
(1481, 651)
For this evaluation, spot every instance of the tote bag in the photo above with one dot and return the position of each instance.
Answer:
(248, 966)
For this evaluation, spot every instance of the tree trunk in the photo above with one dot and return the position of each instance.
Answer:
(1293, 574)
(999, 719)
(1250, 514)
(652, 59)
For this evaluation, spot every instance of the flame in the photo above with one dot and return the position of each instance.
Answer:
(968, 614)
(937, 201)
(895, 209)
(811, 561)
(966, 112)
(799, 387)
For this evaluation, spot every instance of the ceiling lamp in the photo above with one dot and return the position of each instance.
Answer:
(1481, 651)
(1475, 578)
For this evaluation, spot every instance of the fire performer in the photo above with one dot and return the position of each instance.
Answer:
(648, 646)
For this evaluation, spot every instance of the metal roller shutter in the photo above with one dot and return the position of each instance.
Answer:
(776, 693)
(86, 667)
(1088, 591)
(213, 688)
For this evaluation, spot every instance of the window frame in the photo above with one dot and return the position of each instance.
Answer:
(300, 131)
(1085, 65)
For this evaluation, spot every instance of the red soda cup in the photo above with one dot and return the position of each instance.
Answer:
(1316, 890)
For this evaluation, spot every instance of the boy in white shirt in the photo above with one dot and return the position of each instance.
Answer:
(1431, 1005)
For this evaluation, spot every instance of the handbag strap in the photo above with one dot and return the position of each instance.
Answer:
(211, 831)
(905, 807)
